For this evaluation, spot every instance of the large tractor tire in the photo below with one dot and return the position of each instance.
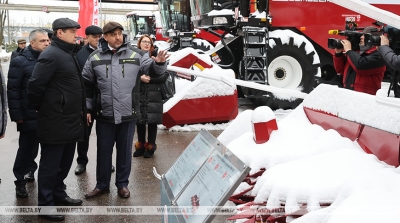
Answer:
(201, 45)
(292, 64)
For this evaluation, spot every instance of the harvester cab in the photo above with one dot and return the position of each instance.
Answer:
(178, 18)
(175, 20)
(140, 23)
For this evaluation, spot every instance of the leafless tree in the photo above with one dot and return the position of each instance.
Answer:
(3, 17)
(13, 30)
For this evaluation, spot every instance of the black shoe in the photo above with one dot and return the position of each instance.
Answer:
(139, 149)
(150, 149)
(30, 177)
(20, 191)
(68, 202)
(112, 168)
(53, 217)
(80, 168)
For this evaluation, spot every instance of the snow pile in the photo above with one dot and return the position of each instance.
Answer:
(312, 187)
(262, 114)
(307, 165)
(372, 197)
(200, 87)
(4, 56)
(295, 138)
(355, 106)
(237, 127)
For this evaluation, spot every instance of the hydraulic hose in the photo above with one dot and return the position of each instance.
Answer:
(227, 48)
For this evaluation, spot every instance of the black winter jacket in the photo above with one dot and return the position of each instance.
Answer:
(56, 90)
(16, 52)
(20, 72)
(151, 103)
(83, 55)
(3, 104)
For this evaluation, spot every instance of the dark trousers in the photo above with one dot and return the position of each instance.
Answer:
(83, 147)
(55, 162)
(25, 158)
(121, 135)
(151, 133)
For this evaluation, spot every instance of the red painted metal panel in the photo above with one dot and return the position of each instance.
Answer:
(384, 145)
(202, 110)
(262, 130)
(204, 34)
(187, 61)
(327, 121)
(319, 17)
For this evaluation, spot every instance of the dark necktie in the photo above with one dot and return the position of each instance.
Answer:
(114, 51)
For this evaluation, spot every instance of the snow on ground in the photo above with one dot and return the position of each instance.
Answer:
(294, 133)
(306, 164)
(4, 56)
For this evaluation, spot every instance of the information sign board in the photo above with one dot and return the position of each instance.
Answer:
(205, 175)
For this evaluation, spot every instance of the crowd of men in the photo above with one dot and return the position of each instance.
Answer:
(51, 97)
(56, 89)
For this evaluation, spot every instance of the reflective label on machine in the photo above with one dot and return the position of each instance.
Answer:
(215, 58)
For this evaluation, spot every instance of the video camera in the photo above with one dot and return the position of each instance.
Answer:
(352, 36)
(393, 35)
(350, 33)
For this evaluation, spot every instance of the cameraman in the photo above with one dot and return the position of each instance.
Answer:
(362, 70)
(388, 54)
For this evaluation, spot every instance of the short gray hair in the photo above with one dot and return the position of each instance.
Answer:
(32, 34)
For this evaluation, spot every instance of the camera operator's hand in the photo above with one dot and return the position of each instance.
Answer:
(346, 45)
(384, 40)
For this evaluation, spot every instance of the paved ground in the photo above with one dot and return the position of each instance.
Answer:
(144, 187)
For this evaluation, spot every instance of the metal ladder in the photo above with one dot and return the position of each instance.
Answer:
(254, 62)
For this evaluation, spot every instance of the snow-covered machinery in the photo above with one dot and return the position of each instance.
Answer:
(282, 43)
(144, 22)
(203, 100)
(299, 171)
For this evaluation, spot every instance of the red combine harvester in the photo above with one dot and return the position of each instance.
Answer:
(282, 43)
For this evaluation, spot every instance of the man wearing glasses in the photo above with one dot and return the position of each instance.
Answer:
(93, 34)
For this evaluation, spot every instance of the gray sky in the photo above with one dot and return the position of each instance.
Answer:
(27, 17)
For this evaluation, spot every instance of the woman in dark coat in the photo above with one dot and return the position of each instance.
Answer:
(151, 105)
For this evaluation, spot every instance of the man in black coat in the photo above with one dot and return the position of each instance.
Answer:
(93, 34)
(20, 72)
(56, 91)
(21, 46)
(3, 106)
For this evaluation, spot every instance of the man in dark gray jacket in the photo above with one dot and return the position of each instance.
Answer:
(93, 34)
(388, 54)
(393, 61)
(113, 71)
